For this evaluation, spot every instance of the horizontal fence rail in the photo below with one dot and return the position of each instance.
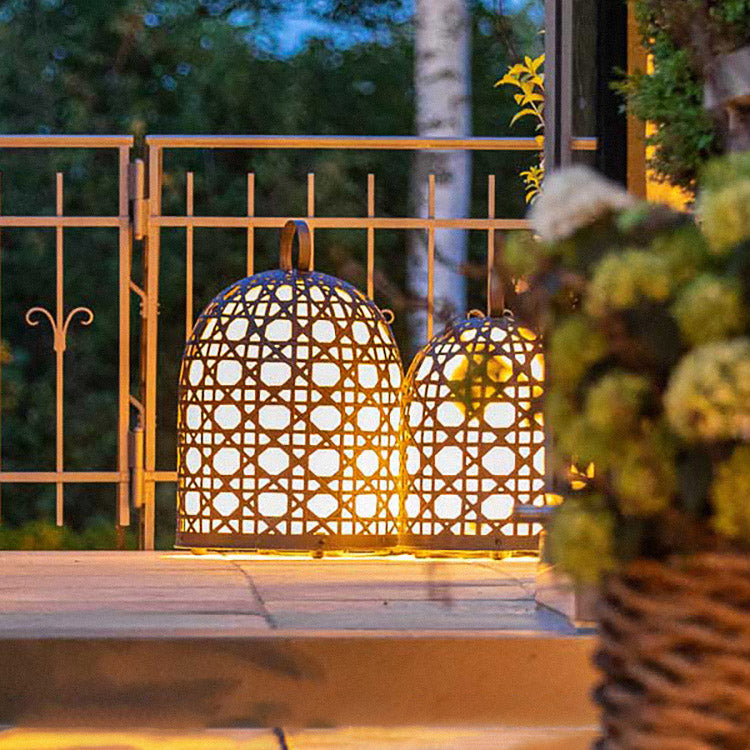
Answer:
(359, 142)
(140, 217)
(66, 141)
(69, 222)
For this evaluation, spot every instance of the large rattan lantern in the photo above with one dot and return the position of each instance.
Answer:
(288, 418)
(473, 437)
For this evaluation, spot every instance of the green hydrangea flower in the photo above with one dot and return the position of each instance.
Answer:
(709, 309)
(730, 168)
(521, 253)
(639, 285)
(630, 218)
(581, 539)
(615, 401)
(574, 347)
(708, 395)
(644, 478)
(725, 216)
(730, 495)
(684, 249)
(585, 444)
(558, 409)
(622, 278)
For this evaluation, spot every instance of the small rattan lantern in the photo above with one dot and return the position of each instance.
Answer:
(288, 420)
(473, 437)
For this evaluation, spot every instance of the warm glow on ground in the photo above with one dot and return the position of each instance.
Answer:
(361, 738)
(395, 557)
(30, 739)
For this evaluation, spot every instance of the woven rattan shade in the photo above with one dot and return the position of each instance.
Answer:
(472, 456)
(288, 421)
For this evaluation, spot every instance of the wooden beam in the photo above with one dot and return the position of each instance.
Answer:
(637, 60)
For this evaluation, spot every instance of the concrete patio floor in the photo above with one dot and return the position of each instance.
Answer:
(100, 594)
(176, 640)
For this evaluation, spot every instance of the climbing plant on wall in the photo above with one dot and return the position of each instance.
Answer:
(685, 39)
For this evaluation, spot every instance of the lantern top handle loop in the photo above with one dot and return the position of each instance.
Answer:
(304, 260)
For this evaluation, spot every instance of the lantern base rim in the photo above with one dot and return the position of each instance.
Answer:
(287, 543)
(441, 544)
(456, 543)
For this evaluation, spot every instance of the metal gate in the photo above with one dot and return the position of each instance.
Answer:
(65, 316)
(140, 218)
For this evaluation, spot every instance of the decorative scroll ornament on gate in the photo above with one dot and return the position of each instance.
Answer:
(59, 329)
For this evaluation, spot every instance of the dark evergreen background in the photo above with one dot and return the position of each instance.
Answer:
(183, 66)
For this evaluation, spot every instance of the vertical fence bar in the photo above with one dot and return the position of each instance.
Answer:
(553, 57)
(566, 82)
(150, 347)
(371, 236)
(1, 356)
(138, 185)
(250, 230)
(430, 256)
(490, 244)
(123, 397)
(189, 259)
(311, 213)
(59, 353)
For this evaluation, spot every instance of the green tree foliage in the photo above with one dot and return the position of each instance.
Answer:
(684, 37)
(190, 66)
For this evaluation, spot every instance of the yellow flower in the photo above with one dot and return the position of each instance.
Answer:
(644, 478)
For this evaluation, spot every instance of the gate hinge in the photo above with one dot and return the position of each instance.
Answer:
(138, 200)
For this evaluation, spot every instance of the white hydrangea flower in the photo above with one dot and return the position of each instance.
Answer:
(573, 198)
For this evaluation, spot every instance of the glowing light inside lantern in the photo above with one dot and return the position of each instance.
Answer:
(289, 416)
(474, 432)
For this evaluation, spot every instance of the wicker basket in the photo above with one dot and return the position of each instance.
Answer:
(675, 653)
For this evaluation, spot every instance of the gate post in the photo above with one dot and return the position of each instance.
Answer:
(558, 83)
(149, 350)
(122, 517)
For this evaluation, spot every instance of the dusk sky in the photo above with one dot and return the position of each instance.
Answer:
(302, 23)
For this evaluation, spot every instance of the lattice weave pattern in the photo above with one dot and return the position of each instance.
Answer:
(289, 417)
(473, 435)
(675, 652)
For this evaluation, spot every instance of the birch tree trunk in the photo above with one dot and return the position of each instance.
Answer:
(442, 81)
